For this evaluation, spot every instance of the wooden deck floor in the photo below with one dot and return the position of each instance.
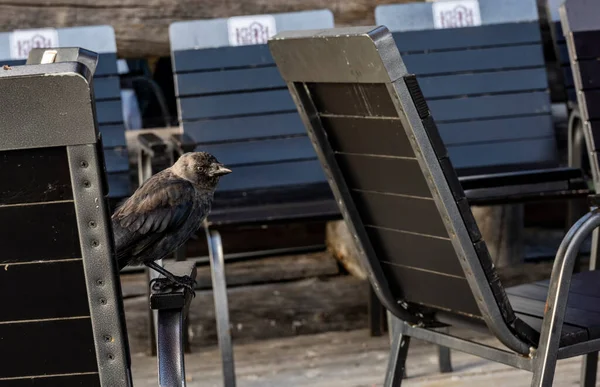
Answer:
(343, 359)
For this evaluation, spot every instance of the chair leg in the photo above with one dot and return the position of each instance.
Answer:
(543, 372)
(398, 353)
(589, 364)
(221, 308)
(152, 314)
(376, 320)
(180, 255)
(151, 318)
(444, 357)
(589, 368)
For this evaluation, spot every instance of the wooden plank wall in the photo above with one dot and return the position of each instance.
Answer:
(142, 26)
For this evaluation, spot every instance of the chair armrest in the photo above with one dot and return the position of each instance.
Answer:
(151, 144)
(153, 151)
(182, 143)
(172, 307)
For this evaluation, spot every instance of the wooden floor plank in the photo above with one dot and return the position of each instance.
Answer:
(266, 311)
(345, 359)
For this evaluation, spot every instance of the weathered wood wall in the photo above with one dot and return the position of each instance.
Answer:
(142, 25)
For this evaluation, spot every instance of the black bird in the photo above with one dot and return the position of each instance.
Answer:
(165, 211)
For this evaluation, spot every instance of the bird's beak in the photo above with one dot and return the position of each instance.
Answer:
(221, 170)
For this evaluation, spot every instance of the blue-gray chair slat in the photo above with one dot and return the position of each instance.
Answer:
(245, 128)
(524, 155)
(294, 173)
(119, 185)
(113, 135)
(221, 58)
(505, 129)
(484, 83)
(239, 80)
(256, 152)
(481, 59)
(491, 106)
(116, 160)
(107, 88)
(109, 112)
(469, 37)
(107, 65)
(231, 105)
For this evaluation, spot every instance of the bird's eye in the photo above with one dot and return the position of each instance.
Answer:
(198, 169)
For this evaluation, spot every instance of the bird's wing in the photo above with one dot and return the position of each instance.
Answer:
(160, 205)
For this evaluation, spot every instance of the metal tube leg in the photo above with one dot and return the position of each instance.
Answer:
(594, 249)
(152, 318)
(152, 314)
(180, 255)
(152, 274)
(171, 368)
(375, 314)
(444, 358)
(589, 368)
(398, 353)
(543, 373)
(589, 364)
(221, 308)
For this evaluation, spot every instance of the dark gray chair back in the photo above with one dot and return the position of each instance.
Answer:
(392, 177)
(233, 103)
(581, 28)
(62, 321)
(485, 82)
(14, 48)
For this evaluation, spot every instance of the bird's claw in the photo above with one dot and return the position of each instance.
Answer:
(163, 284)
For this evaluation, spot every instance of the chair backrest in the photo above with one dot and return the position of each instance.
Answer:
(61, 322)
(233, 103)
(486, 84)
(560, 48)
(14, 48)
(391, 176)
(581, 26)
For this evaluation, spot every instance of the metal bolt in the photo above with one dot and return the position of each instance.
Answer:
(84, 164)
(100, 282)
(95, 243)
(111, 356)
(103, 301)
(87, 184)
(107, 338)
